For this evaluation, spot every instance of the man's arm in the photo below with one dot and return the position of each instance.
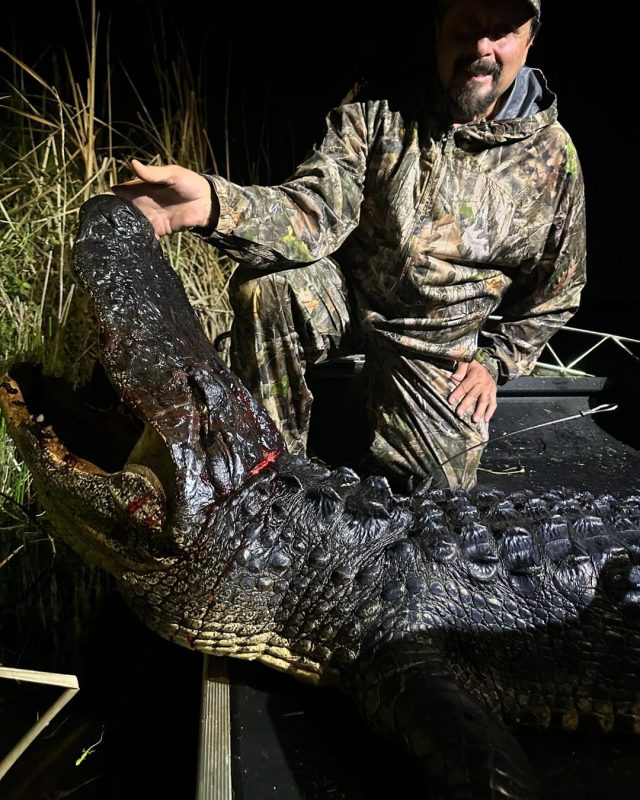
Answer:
(299, 221)
(544, 300)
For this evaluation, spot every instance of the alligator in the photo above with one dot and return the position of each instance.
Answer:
(452, 619)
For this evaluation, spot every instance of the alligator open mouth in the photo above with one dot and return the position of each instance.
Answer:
(162, 431)
(90, 424)
(88, 429)
(102, 474)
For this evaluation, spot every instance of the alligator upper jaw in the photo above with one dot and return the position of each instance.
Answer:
(158, 357)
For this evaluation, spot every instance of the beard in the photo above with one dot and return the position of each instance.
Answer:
(465, 101)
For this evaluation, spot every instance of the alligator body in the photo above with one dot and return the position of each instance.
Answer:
(450, 618)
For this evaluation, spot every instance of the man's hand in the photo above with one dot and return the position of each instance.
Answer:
(476, 391)
(172, 198)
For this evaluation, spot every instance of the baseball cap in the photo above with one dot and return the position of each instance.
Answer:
(533, 4)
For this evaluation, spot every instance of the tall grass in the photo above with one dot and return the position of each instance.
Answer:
(58, 146)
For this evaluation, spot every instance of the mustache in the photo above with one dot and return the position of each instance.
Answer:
(477, 66)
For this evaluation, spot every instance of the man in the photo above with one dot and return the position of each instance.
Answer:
(420, 211)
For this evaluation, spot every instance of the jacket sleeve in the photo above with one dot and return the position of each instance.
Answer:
(311, 213)
(545, 299)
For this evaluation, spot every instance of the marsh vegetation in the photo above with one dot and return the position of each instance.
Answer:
(65, 135)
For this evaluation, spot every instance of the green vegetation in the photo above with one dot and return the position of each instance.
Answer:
(58, 147)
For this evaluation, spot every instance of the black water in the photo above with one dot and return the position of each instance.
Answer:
(139, 694)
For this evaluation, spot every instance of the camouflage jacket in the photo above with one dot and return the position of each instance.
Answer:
(437, 227)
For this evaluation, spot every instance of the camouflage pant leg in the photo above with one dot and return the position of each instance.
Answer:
(282, 321)
(415, 432)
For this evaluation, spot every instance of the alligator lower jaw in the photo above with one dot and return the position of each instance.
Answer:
(95, 435)
(80, 458)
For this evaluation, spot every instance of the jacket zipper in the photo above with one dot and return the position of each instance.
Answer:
(423, 206)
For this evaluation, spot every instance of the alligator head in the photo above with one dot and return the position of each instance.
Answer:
(131, 489)
(444, 614)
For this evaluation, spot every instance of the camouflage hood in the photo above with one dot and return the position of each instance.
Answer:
(527, 96)
(528, 107)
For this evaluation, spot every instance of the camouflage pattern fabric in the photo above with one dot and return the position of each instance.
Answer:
(437, 227)
(285, 320)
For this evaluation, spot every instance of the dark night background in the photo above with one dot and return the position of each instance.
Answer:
(283, 70)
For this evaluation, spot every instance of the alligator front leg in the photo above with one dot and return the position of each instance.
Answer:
(463, 750)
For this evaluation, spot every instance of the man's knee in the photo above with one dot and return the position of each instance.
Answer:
(313, 294)
(247, 287)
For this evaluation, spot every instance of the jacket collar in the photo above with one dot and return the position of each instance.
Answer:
(529, 107)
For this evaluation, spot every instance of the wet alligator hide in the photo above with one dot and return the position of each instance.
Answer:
(450, 618)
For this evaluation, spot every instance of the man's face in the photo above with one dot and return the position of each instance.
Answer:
(480, 46)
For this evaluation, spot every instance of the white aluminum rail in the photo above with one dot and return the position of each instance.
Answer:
(594, 340)
(214, 751)
(67, 682)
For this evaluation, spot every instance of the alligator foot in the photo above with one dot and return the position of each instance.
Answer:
(463, 750)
